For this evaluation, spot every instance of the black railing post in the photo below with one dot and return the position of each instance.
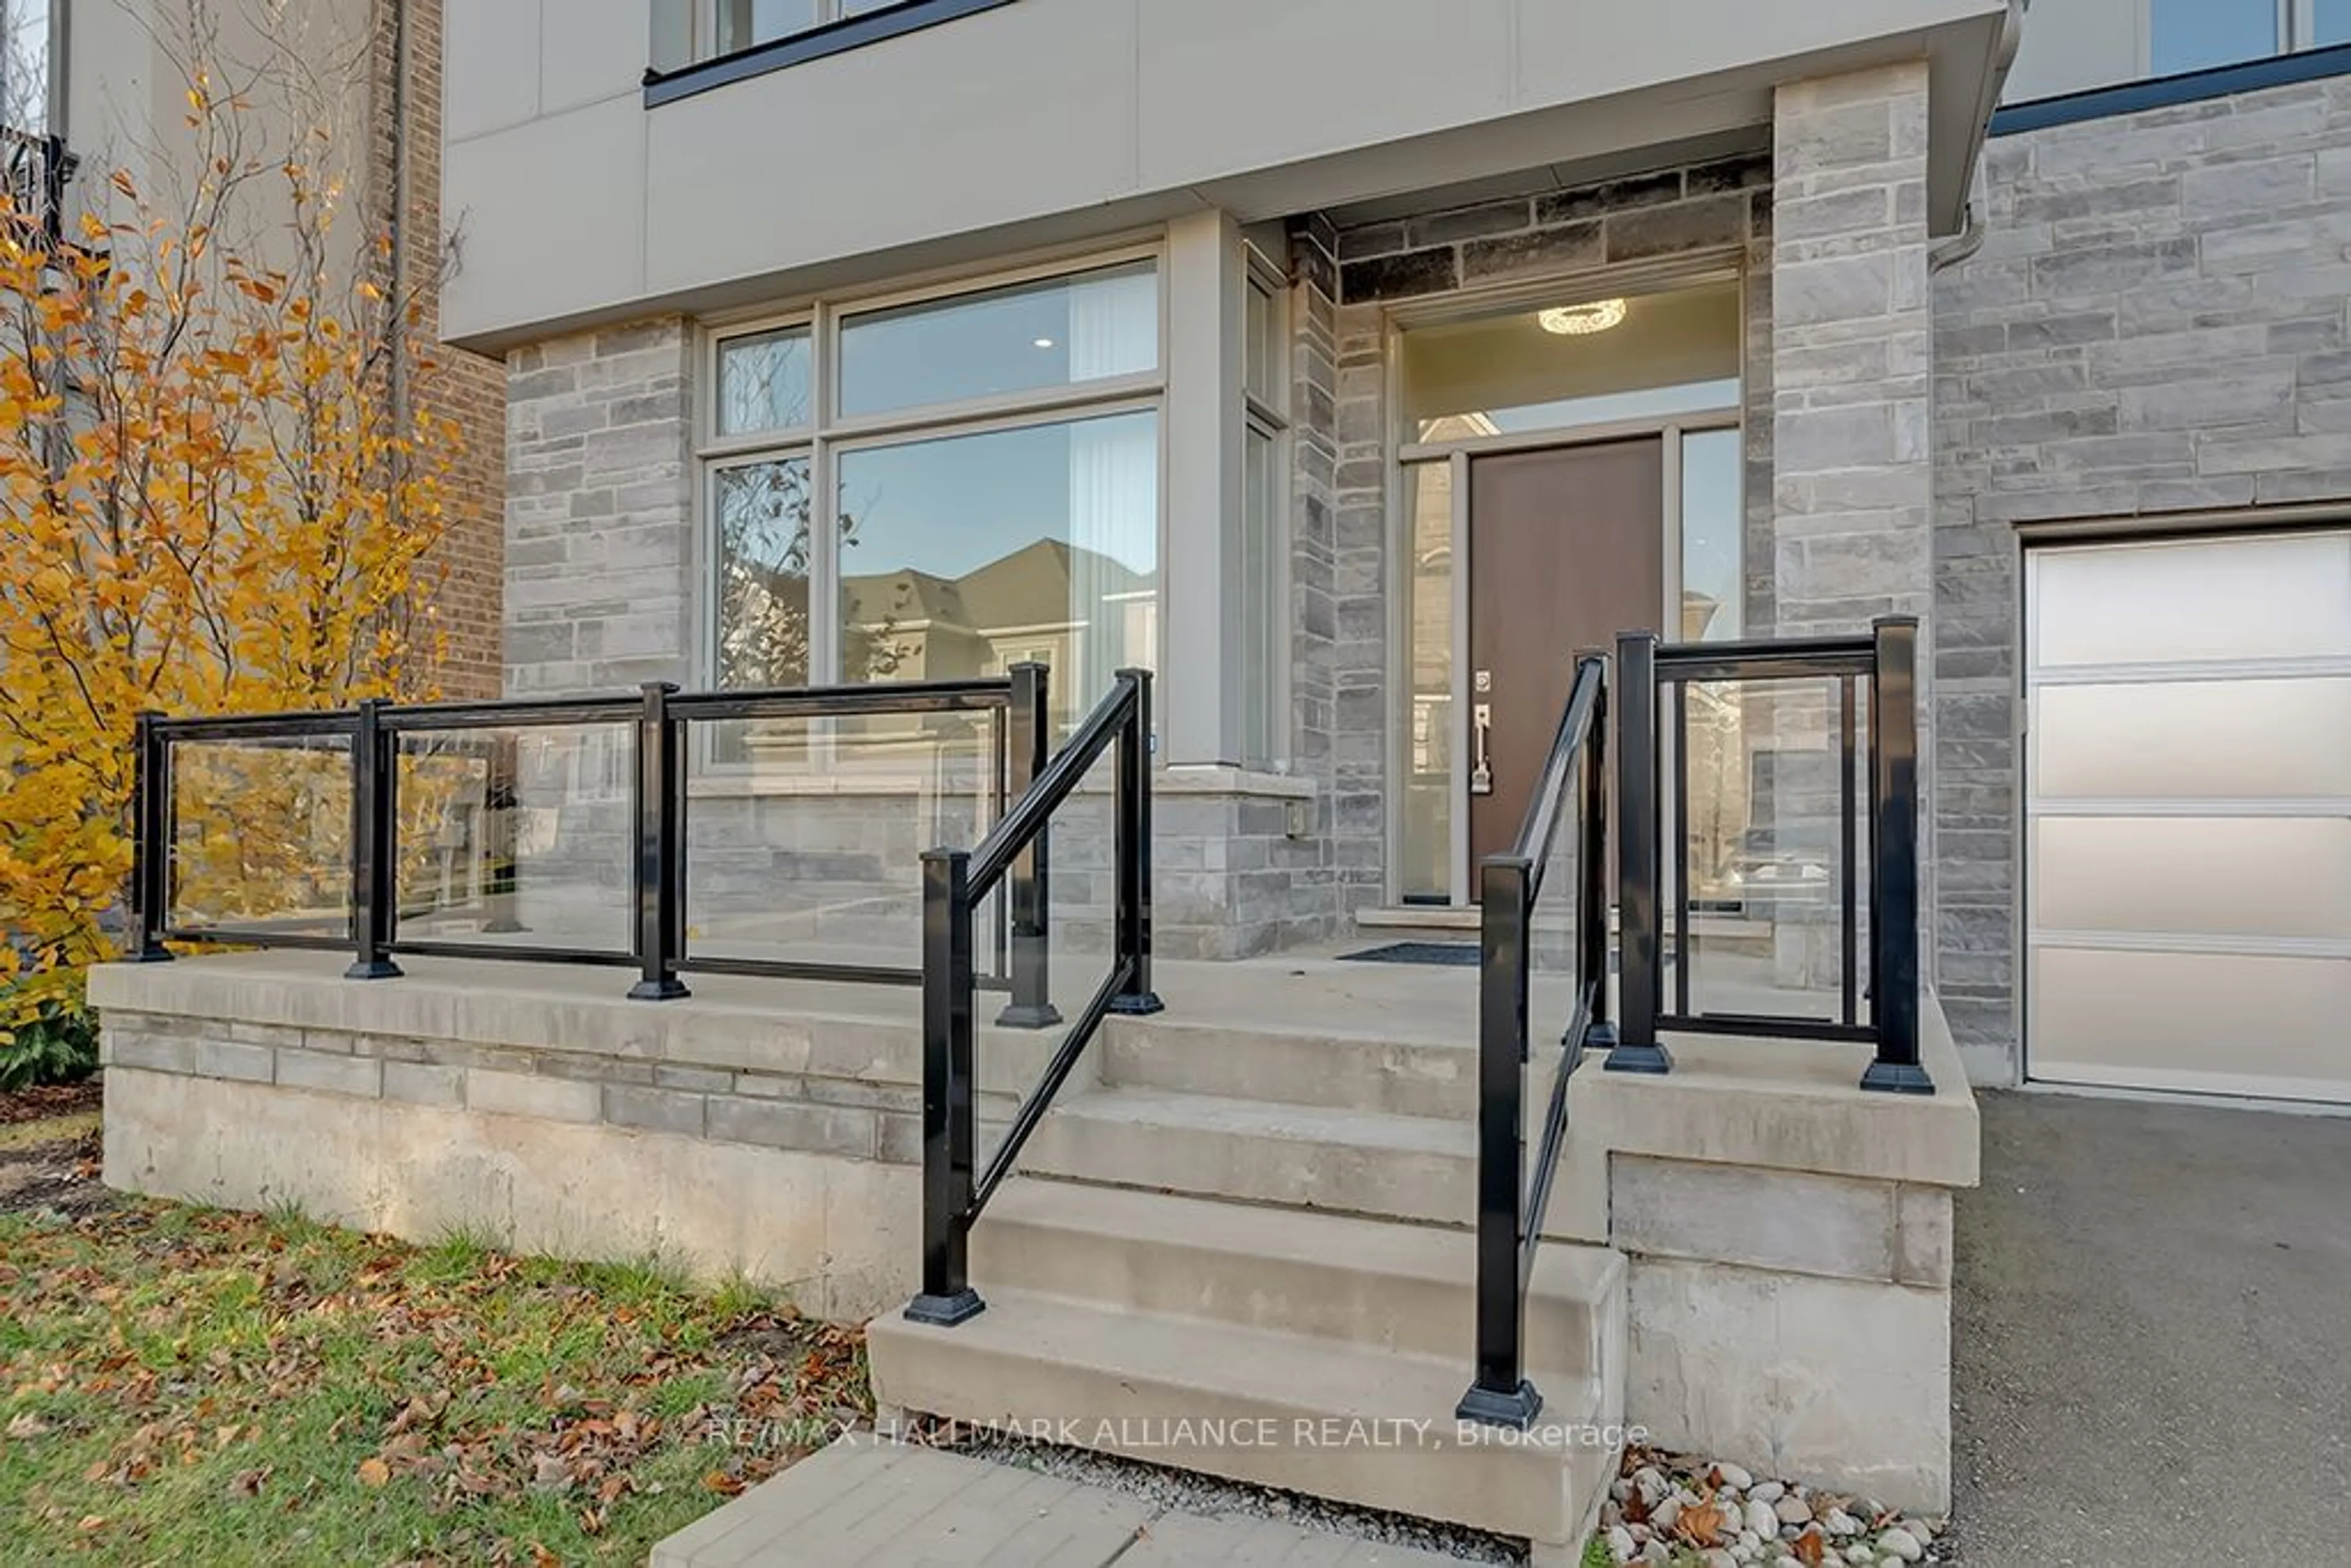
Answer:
(1028, 888)
(1134, 852)
(375, 848)
(1637, 1049)
(1894, 870)
(948, 1111)
(661, 844)
(1592, 872)
(1500, 1394)
(150, 842)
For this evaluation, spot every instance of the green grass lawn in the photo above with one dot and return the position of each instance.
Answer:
(187, 1386)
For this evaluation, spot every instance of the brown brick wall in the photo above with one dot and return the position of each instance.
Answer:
(464, 388)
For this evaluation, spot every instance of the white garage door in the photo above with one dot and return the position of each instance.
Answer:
(2188, 858)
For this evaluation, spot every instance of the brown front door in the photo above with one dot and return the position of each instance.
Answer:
(1566, 549)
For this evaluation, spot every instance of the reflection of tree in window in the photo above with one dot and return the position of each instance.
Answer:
(763, 584)
(763, 383)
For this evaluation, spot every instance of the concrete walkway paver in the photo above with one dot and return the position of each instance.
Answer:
(867, 1500)
(2151, 1310)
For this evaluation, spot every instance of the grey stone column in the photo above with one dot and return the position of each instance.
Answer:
(1852, 350)
(1852, 379)
(601, 555)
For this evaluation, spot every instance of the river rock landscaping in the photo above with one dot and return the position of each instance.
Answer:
(1693, 1513)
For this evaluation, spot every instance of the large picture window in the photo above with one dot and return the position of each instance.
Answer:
(938, 488)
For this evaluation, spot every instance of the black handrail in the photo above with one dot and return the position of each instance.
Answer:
(954, 881)
(1885, 664)
(661, 718)
(1511, 1209)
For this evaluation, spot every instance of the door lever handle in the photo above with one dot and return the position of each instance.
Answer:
(1481, 767)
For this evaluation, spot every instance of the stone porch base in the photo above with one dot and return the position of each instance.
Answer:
(1788, 1237)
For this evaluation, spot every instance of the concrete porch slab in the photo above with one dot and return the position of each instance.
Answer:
(869, 1501)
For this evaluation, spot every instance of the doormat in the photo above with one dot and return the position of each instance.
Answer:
(1452, 954)
(1444, 955)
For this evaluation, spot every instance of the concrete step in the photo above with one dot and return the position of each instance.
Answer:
(1357, 1072)
(1361, 1424)
(1304, 1156)
(1379, 1284)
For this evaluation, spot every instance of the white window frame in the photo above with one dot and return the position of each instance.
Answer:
(828, 434)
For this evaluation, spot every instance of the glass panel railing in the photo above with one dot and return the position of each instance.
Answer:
(775, 832)
(1765, 841)
(517, 836)
(260, 826)
(804, 836)
(1769, 845)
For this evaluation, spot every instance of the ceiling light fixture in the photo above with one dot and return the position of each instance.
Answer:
(1582, 320)
(1044, 342)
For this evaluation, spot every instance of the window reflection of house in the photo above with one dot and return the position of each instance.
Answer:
(1078, 611)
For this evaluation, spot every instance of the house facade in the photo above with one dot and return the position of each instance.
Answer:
(1274, 312)
(1259, 351)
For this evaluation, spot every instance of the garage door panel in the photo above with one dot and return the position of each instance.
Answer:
(2209, 1023)
(2286, 596)
(2254, 739)
(2188, 842)
(2194, 876)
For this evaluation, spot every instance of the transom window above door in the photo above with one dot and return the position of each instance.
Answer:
(1574, 357)
(938, 486)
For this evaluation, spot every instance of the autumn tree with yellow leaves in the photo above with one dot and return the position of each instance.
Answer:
(215, 494)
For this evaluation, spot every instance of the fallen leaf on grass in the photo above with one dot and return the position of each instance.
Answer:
(722, 1483)
(248, 1483)
(28, 1424)
(374, 1472)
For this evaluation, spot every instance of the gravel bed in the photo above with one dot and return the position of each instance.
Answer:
(1675, 1509)
(1194, 1494)
(1664, 1508)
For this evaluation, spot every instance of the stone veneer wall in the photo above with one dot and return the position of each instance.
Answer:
(1852, 360)
(600, 537)
(722, 1136)
(1322, 568)
(2154, 325)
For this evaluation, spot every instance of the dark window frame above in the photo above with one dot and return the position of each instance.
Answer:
(834, 37)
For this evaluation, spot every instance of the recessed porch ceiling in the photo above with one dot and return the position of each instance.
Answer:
(1560, 176)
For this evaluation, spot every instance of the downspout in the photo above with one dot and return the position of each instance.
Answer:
(1970, 237)
(1960, 245)
(394, 339)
